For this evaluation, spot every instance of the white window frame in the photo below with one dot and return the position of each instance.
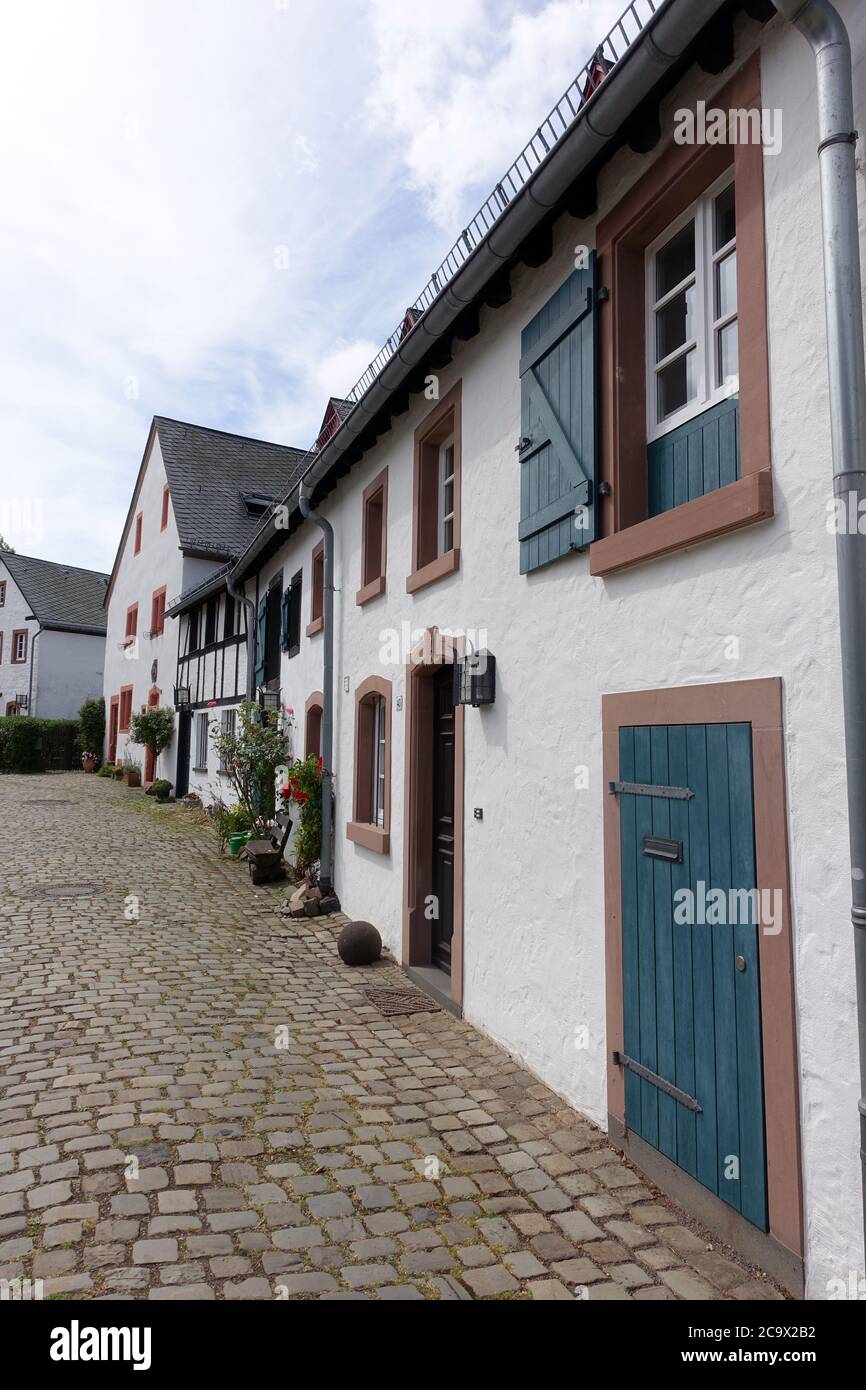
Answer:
(19, 649)
(707, 326)
(201, 739)
(378, 761)
(443, 517)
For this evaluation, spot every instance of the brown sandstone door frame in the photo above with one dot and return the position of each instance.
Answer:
(425, 661)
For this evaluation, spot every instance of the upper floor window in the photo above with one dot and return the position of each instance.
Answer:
(137, 544)
(317, 590)
(229, 617)
(691, 280)
(436, 501)
(374, 539)
(210, 621)
(2, 593)
(192, 631)
(19, 645)
(131, 624)
(163, 522)
(157, 613)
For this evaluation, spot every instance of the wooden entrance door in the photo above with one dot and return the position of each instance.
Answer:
(692, 1042)
(443, 817)
(181, 776)
(112, 729)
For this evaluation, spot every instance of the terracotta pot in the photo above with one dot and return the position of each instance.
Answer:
(89, 764)
(132, 779)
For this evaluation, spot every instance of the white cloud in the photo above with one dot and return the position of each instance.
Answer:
(465, 83)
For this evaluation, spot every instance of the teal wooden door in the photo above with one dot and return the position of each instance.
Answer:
(694, 1085)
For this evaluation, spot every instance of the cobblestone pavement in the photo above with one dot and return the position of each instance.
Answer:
(371, 1157)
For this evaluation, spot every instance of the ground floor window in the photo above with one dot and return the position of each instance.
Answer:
(228, 723)
(201, 743)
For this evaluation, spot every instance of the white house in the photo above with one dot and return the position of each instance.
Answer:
(199, 496)
(599, 450)
(52, 636)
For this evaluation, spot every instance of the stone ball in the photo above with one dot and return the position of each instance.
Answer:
(359, 943)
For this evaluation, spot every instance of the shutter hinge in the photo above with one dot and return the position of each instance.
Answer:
(603, 295)
(522, 444)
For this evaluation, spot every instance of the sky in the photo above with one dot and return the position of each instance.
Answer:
(218, 210)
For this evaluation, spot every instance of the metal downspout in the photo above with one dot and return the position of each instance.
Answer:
(822, 27)
(326, 872)
(37, 634)
(252, 632)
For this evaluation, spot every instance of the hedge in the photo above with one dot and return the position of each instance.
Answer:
(38, 745)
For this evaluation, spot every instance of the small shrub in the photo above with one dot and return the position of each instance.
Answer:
(107, 770)
(38, 745)
(304, 788)
(91, 718)
(161, 788)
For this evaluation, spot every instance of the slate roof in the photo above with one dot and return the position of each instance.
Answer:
(210, 473)
(62, 597)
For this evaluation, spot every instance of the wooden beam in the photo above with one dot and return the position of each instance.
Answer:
(642, 131)
(714, 46)
(498, 291)
(582, 201)
(468, 324)
(538, 247)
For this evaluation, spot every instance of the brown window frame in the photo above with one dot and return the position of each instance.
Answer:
(136, 543)
(163, 521)
(157, 612)
(361, 829)
(2, 593)
(375, 498)
(443, 420)
(124, 712)
(19, 660)
(317, 590)
(315, 703)
(680, 175)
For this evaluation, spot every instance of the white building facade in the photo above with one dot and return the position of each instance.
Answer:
(52, 637)
(667, 720)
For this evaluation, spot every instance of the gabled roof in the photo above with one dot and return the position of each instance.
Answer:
(61, 597)
(211, 477)
(210, 473)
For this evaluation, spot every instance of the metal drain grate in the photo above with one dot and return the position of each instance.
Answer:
(69, 890)
(401, 1001)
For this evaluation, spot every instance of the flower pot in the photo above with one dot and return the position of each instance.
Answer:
(237, 842)
(89, 764)
(132, 779)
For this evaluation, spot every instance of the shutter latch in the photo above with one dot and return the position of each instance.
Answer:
(522, 444)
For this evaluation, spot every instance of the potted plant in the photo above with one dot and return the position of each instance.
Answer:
(154, 728)
(161, 789)
(304, 788)
(131, 773)
(89, 761)
(251, 755)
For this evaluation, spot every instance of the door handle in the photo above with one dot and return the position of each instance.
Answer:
(741, 963)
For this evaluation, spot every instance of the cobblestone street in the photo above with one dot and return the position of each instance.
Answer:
(267, 1171)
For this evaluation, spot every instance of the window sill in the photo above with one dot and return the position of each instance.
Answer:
(315, 626)
(738, 504)
(371, 590)
(436, 569)
(370, 836)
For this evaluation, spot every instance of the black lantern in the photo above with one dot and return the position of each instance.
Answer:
(269, 699)
(475, 679)
(181, 697)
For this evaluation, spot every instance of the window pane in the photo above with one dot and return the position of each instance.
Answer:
(675, 323)
(728, 363)
(447, 536)
(726, 285)
(677, 384)
(675, 260)
(725, 218)
(448, 498)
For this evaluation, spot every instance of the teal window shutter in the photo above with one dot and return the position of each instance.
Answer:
(261, 644)
(559, 437)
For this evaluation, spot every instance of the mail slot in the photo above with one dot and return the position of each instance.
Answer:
(659, 848)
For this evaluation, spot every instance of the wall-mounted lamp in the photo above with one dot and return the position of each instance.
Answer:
(475, 679)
